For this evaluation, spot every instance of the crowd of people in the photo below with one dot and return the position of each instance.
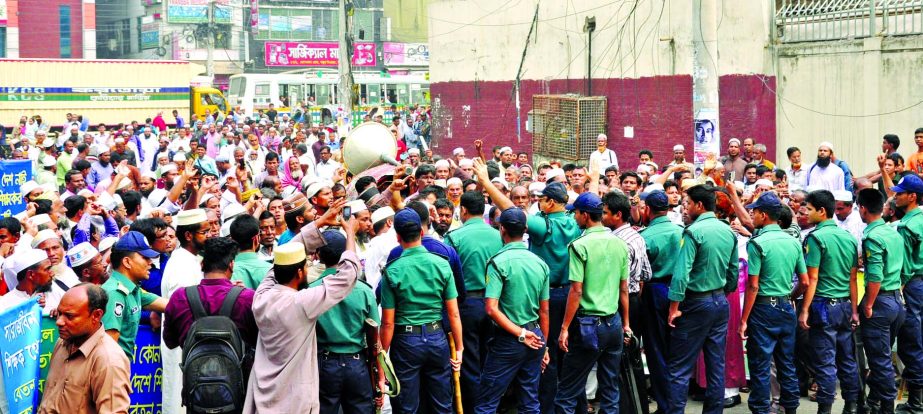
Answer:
(462, 282)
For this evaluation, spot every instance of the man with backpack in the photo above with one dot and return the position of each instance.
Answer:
(190, 318)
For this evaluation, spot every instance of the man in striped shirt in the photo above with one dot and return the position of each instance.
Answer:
(616, 214)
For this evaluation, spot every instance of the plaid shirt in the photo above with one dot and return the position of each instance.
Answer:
(639, 267)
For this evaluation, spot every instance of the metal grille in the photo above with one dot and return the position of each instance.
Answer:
(565, 127)
(818, 20)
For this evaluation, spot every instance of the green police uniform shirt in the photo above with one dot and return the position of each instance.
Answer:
(549, 235)
(249, 269)
(773, 256)
(123, 311)
(475, 242)
(883, 249)
(662, 236)
(707, 258)
(833, 252)
(911, 229)
(599, 260)
(416, 285)
(518, 279)
(341, 329)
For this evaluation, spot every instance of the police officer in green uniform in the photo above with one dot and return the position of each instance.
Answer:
(131, 260)
(517, 302)
(593, 331)
(768, 323)
(706, 268)
(550, 232)
(341, 340)
(829, 310)
(661, 237)
(414, 289)
(881, 311)
(907, 197)
(475, 242)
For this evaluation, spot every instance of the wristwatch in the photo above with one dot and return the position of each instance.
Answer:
(522, 335)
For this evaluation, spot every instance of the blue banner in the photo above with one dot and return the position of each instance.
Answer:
(146, 373)
(12, 175)
(19, 346)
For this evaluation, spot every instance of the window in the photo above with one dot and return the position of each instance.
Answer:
(2, 42)
(65, 25)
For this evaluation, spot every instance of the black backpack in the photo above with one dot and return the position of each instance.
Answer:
(213, 355)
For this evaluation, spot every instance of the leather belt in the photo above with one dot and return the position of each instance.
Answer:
(690, 295)
(773, 300)
(431, 327)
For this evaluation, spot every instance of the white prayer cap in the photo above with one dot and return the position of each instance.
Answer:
(763, 182)
(167, 168)
(231, 211)
(24, 260)
(28, 187)
(440, 183)
(505, 149)
(413, 151)
(190, 217)
(458, 151)
(453, 181)
(679, 147)
(826, 144)
(179, 157)
(601, 136)
(357, 206)
(733, 140)
(500, 181)
(48, 161)
(382, 214)
(442, 163)
(43, 236)
(536, 188)
(554, 173)
(107, 243)
(39, 219)
(465, 163)
(842, 195)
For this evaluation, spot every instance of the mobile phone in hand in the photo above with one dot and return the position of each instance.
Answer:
(347, 211)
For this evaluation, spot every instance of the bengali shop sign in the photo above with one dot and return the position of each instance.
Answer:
(196, 11)
(19, 346)
(12, 176)
(317, 54)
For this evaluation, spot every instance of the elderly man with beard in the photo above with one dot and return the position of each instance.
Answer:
(63, 277)
(822, 174)
(86, 361)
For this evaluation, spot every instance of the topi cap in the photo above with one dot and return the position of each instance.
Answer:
(24, 260)
(190, 217)
(588, 203)
(357, 206)
(288, 254)
(679, 147)
(135, 242)
(43, 236)
(294, 202)
(846, 196)
(382, 214)
(81, 253)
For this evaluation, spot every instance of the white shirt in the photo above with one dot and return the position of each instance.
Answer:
(326, 170)
(853, 224)
(376, 256)
(13, 298)
(829, 178)
(183, 269)
(605, 159)
(62, 274)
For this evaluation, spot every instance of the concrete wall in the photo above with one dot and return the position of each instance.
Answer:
(850, 93)
(409, 21)
(641, 60)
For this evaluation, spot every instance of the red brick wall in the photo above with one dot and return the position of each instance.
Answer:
(659, 109)
(40, 28)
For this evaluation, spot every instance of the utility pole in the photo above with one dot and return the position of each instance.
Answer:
(345, 89)
(705, 105)
(210, 42)
(589, 26)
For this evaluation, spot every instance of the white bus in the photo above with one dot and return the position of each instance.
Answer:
(255, 91)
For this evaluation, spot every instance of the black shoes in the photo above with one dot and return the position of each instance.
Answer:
(732, 401)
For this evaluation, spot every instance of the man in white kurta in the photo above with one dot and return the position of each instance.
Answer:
(284, 378)
(183, 269)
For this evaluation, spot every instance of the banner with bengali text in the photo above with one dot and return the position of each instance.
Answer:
(13, 174)
(196, 11)
(146, 373)
(317, 54)
(19, 347)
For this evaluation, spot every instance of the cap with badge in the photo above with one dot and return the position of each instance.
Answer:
(911, 183)
(288, 254)
(556, 192)
(587, 203)
(513, 216)
(768, 201)
(81, 254)
(382, 214)
(190, 217)
(294, 202)
(407, 220)
(135, 242)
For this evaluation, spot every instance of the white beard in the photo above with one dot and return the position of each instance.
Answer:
(297, 174)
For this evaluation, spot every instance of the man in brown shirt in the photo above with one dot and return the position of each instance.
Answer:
(89, 373)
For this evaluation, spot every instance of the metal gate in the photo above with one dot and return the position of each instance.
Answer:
(565, 127)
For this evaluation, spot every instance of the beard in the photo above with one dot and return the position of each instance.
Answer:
(147, 193)
(442, 228)
(297, 174)
(823, 162)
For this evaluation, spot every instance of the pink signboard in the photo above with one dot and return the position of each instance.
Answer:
(316, 54)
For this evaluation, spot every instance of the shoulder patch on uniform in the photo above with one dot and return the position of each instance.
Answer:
(122, 288)
(119, 308)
